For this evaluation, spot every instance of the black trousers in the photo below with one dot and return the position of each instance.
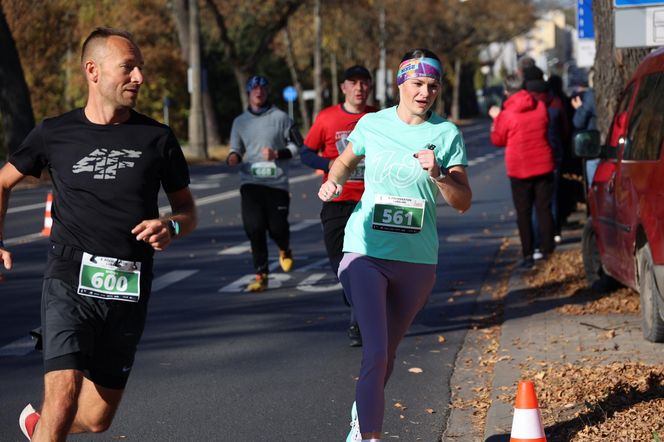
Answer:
(534, 191)
(333, 217)
(265, 209)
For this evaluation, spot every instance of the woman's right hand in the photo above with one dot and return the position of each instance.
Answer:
(329, 190)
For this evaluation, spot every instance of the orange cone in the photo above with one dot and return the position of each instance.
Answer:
(48, 221)
(527, 422)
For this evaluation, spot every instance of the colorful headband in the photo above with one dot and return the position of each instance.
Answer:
(419, 67)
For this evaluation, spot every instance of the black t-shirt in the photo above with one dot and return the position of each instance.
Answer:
(106, 178)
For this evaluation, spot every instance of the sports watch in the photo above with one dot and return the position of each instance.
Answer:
(173, 227)
(443, 174)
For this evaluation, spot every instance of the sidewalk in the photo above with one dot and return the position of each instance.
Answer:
(535, 336)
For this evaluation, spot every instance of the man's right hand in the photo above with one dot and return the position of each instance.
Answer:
(233, 159)
(6, 258)
(577, 102)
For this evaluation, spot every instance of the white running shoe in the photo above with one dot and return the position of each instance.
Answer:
(354, 435)
(537, 255)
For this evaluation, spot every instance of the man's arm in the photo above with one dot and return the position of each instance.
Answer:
(157, 232)
(9, 177)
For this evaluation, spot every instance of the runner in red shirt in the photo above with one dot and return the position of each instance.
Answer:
(328, 136)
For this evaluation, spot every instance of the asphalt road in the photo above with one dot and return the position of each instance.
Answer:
(217, 364)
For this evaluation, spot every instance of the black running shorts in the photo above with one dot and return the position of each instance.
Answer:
(96, 336)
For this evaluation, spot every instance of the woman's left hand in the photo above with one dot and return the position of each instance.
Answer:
(427, 160)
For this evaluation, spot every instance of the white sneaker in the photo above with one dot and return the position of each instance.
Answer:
(557, 239)
(537, 255)
(354, 435)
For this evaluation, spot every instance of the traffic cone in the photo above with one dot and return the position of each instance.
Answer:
(527, 422)
(48, 220)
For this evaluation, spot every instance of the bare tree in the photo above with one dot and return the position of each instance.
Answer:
(295, 78)
(613, 67)
(15, 108)
(243, 57)
(180, 15)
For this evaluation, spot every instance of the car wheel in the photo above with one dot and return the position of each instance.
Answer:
(592, 263)
(653, 325)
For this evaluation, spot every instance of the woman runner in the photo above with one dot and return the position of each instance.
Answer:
(391, 240)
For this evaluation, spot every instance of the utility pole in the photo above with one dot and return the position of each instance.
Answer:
(318, 100)
(382, 68)
(197, 139)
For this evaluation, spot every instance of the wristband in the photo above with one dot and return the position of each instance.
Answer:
(173, 227)
(439, 178)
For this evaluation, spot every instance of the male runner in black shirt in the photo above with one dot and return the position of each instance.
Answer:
(107, 163)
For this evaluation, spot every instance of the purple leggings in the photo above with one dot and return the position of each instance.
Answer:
(386, 295)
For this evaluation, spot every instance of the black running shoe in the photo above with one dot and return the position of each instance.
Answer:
(354, 335)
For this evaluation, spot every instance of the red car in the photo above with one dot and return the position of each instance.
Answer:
(624, 236)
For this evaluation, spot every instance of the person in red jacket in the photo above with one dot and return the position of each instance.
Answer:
(522, 128)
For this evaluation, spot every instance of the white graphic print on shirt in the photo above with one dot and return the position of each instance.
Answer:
(106, 162)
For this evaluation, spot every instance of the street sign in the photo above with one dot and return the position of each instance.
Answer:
(639, 27)
(290, 94)
(584, 19)
(633, 3)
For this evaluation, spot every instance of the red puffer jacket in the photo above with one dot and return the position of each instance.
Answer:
(521, 128)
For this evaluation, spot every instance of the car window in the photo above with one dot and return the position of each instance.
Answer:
(646, 124)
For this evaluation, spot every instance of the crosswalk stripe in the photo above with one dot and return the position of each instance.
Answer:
(170, 278)
(19, 347)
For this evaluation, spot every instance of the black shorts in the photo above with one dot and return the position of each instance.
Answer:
(96, 336)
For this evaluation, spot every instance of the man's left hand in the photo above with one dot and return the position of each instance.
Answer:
(269, 154)
(155, 232)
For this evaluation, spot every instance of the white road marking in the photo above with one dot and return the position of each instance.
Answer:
(235, 193)
(483, 158)
(24, 239)
(171, 278)
(26, 208)
(309, 284)
(275, 281)
(236, 250)
(245, 247)
(320, 264)
(19, 347)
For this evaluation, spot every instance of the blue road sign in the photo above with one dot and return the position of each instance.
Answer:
(632, 3)
(290, 94)
(584, 19)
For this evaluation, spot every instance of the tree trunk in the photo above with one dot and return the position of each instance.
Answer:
(181, 19)
(197, 141)
(241, 78)
(613, 67)
(295, 78)
(455, 90)
(15, 107)
(318, 99)
(334, 78)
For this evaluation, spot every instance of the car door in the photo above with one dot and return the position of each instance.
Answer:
(603, 186)
(637, 166)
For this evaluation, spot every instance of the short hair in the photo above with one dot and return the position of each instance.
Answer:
(102, 33)
(512, 83)
(525, 62)
(419, 53)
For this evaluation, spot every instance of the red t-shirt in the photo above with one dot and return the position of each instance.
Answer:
(328, 136)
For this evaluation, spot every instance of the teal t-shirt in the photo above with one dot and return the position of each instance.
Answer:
(396, 217)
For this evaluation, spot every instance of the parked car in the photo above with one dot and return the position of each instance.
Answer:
(624, 236)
